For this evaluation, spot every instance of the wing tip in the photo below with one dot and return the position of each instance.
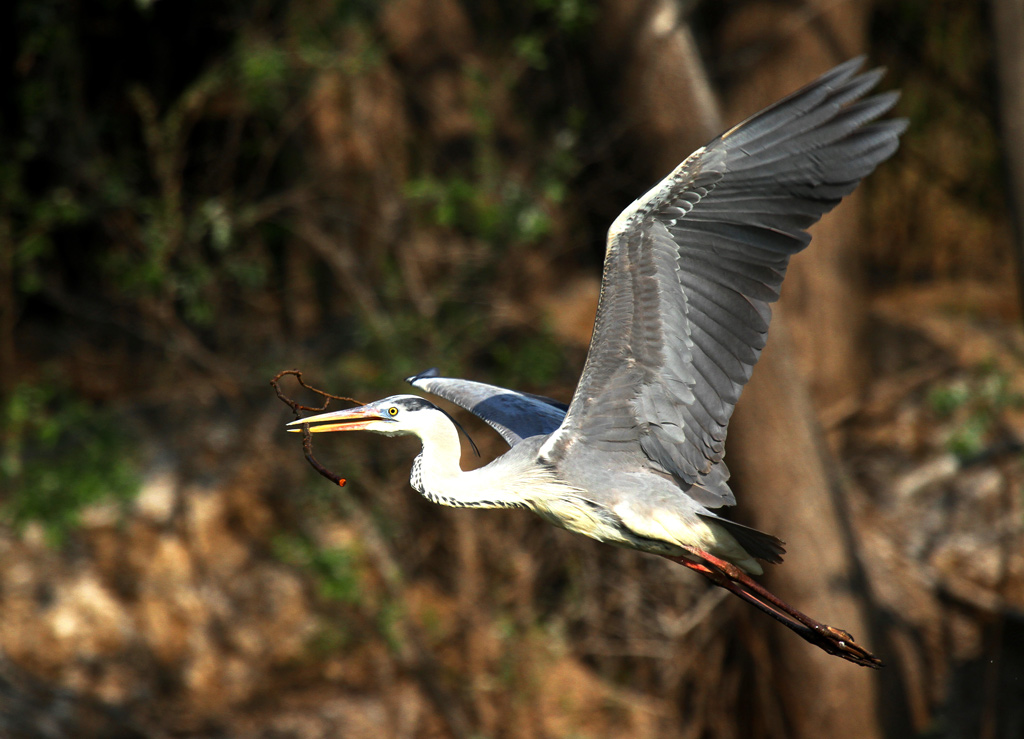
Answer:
(846, 70)
(424, 375)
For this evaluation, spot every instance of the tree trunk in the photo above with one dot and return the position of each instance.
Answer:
(1008, 22)
(780, 474)
(813, 359)
(669, 107)
(782, 48)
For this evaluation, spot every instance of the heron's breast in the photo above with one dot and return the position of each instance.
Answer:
(576, 513)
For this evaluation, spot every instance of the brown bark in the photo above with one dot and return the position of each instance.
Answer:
(1008, 25)
(784, 48)
(813, 359)
(669, 104)
(780, 474)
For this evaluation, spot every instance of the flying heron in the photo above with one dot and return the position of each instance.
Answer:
(690, 272)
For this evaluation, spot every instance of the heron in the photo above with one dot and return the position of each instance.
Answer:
(691, 268)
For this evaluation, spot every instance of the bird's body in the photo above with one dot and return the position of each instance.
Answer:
(691, 268)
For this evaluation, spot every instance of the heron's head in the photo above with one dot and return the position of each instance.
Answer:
(399, 414)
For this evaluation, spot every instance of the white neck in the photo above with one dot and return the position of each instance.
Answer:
(438, 475)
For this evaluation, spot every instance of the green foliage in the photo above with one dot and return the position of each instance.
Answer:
(339, 575)
(335, 571)
(389, 618)
(945, 400)
(503, 214)
(483, 200)
(968, 439)
(530, 48)
(30, 222)
(500, 215)
(60, 454)
(165, 190)
(975, 406)
(570, 16)
(178, 195)
(263, 70)
(330, 637)
(535, 360)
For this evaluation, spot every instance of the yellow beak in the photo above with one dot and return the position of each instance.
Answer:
(350, 419)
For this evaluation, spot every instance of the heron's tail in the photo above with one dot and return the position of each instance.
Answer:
(758, 544)
(732, 578)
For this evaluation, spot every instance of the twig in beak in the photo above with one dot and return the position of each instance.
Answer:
(297, 408)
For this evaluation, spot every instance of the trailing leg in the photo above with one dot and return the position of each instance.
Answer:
(732, 578)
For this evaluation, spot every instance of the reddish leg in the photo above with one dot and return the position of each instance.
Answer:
(736, 581)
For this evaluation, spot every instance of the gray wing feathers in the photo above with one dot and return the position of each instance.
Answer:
(693, 266)
(514, 415)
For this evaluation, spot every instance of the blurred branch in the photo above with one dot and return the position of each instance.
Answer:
(8, 363)
(266, 209)
(685, 623)
(343, 264)
(174, 335)
(166, 139)
(412, 655)
(1008, 22)
(271, 147)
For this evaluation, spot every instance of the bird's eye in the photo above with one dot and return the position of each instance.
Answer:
(392, 411)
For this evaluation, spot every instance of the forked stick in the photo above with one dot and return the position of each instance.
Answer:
(297, 408)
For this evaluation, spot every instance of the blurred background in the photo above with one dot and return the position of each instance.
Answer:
(194, 196)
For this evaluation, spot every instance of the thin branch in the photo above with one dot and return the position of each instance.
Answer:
(342, 264)
(297, 408)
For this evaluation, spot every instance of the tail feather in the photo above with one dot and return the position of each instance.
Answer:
(758, 544)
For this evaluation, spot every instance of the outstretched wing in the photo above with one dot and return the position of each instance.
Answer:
(514, 415)
(693, 266)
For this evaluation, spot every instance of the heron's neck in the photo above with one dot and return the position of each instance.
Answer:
(439, 477)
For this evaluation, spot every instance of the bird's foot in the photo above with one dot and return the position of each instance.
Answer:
(841, 644)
